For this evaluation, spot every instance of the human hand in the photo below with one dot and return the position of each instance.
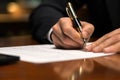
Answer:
(65, 36)
(109, 43)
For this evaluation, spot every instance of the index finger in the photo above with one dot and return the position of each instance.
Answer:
(68, 30)
(87, 30)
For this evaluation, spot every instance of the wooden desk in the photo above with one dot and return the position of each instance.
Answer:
(104, 68)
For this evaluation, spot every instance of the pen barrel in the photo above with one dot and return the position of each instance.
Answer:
(77, 25)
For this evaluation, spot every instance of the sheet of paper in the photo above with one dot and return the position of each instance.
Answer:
(47, 53)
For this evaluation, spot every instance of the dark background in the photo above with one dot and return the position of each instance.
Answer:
(15, 23)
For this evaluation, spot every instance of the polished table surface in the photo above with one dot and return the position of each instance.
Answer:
(102, 68)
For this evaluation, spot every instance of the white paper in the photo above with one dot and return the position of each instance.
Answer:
(47, 53)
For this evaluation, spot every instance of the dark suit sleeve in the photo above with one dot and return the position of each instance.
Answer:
(45, 16)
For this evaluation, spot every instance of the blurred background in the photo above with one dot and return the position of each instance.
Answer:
(14, 16)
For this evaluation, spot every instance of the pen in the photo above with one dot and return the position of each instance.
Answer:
(71, 13)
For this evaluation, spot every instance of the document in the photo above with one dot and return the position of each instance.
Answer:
(48, 53)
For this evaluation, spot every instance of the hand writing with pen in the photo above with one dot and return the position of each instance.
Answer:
(66, 36)
(70, 32)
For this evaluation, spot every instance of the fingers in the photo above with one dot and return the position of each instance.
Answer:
(66, 43)
(109, 43)
(98, 47)
(112, 34)
(65, 36)
(68, 30)
(115, 48)
(88, 29)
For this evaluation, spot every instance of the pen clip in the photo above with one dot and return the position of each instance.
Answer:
(70, 11)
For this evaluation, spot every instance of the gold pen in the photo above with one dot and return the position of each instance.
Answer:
(71, 13)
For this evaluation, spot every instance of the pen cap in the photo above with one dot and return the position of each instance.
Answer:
(70, 11)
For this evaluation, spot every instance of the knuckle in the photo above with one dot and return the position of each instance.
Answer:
(90, 24)
(65, 20)
(94, 44)
(119, 29)
(107, 35)
(62, 20)
(54, 28)
(116, 37)
(91, 27)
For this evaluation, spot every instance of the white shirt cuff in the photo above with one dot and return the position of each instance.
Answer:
(49, 35)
